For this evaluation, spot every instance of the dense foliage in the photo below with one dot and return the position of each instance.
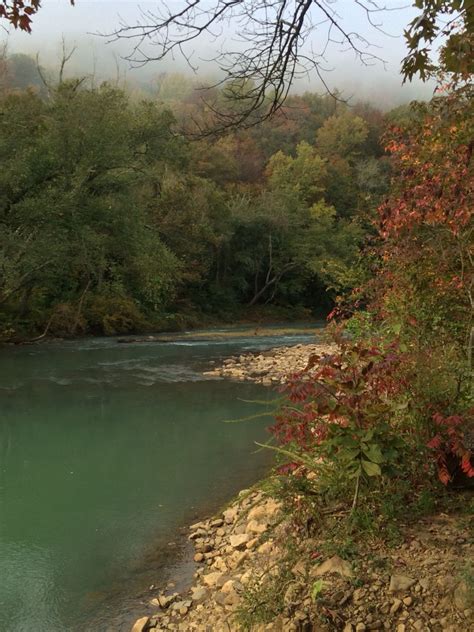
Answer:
(113, 221)
(395, 402)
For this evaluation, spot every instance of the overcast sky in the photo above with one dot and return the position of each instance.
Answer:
(78, 24)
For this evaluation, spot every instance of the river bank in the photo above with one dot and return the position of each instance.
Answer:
(270, 367)
(73, 413)
(417, 583)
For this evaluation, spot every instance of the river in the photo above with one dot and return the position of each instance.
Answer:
(106, 451)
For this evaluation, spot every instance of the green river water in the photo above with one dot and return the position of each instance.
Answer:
(106, 451)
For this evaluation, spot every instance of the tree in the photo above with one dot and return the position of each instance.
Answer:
(305, 174)
(23, 73)
(454, 19)
(78, 249)
(275, 48)
(342, 135)
(287, 237)
(20, 13)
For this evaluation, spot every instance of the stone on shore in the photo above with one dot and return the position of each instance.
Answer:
(334, 565)
(400, 583)
(141, 624)
(274, 366)
(239, 541)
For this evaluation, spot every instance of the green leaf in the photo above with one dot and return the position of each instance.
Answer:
(371, 469)
(350, 454)
(397, 328)
(317, 589)
(357, 472)
(374, 453)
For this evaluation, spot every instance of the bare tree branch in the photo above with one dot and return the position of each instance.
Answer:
(267, 45)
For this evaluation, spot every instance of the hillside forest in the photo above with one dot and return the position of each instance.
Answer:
(116, 218)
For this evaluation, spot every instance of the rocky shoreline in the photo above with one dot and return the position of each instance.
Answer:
(414, 586)
(417, 585)
(270, 367)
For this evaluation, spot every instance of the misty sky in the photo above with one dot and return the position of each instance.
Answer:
(78, 24)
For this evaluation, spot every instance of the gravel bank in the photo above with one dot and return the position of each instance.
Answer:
(416, 586)
(270, 367)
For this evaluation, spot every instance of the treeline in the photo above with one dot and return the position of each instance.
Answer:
(112, 220)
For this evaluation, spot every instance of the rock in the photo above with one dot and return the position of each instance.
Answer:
(231, 598)
(239, 541)
(199, 594)
(218, 522)
(399, 583)
(299, 568)
(361, 627)
(348, 628)
(219, 564)
(395, 606)
(211, 579)
(272, 507)
(230, 515)
(197, 525)
(419, 625)
(461, 596)
(237, 558)
(186, 603)
(166, 600)
(408, 601)
(291, 595)
(199, 557)
(203, 547)
(256, 527)
(401, 627)
(334, 564)
(140, 624)
(265, 548)
(424, 583)
(257, 513)
(358, 594)
(232, 585)
(199, 533)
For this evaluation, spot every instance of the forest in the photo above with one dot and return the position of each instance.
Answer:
(177, 205)
(115, 218)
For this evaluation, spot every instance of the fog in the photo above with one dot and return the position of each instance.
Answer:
(81, 25)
